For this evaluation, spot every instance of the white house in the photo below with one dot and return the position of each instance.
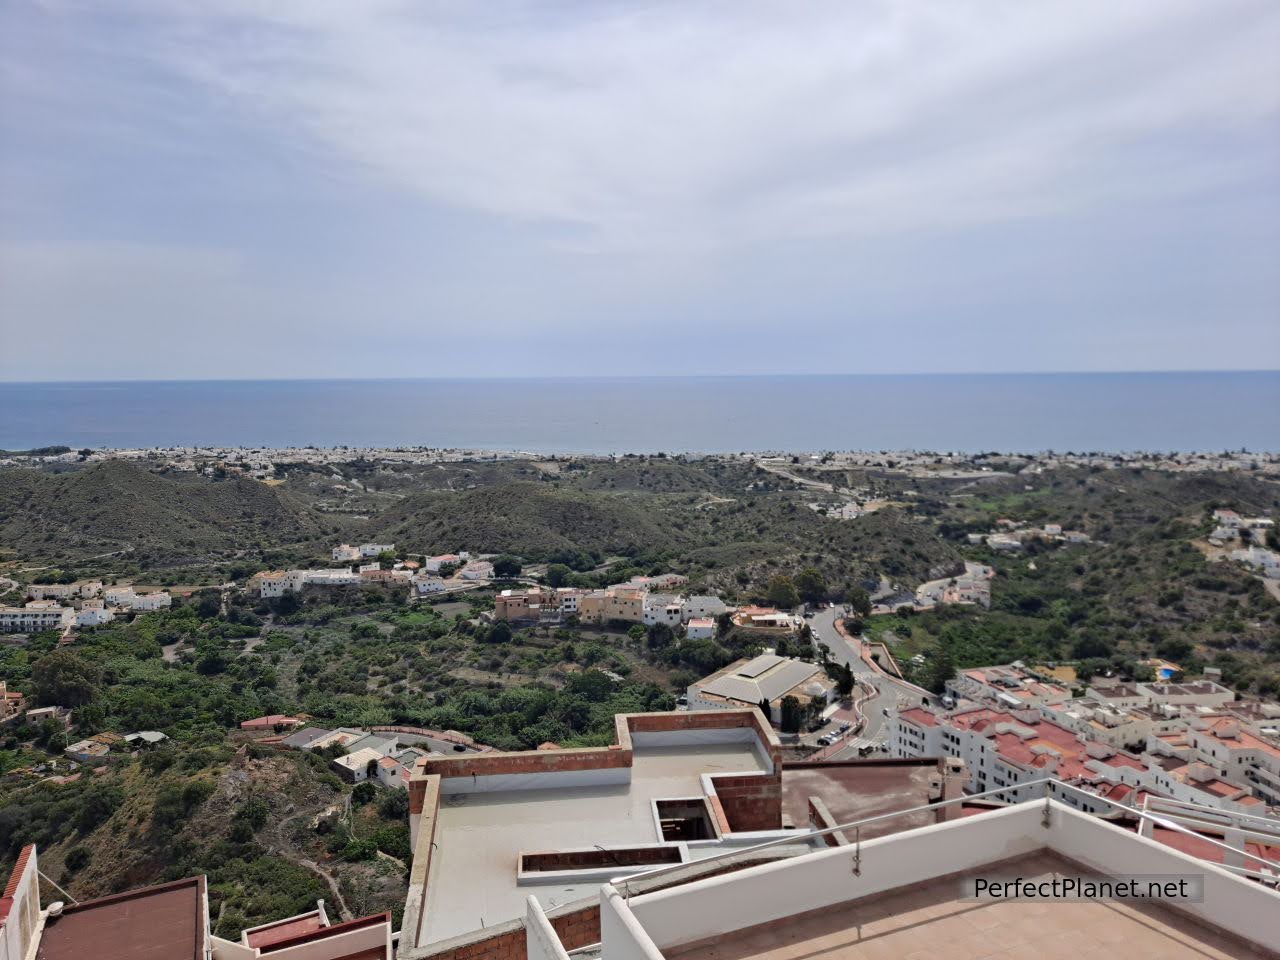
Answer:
(64, 591)
(477, 570)
(427, 585)
(118, 596)
(700, 606)
(433, 564)
(1267, 562)
(150, 601)
(661, 608)
(701, 628)
(374, 549)
(345, 553)
(93, 613)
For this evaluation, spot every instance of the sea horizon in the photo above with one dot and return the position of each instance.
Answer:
(653, 376)
(1182, 411)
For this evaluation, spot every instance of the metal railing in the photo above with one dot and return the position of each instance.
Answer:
(710, 864)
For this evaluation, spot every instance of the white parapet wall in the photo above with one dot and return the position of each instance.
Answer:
(622, 936)
(541, 940)
(702, 909)
(733, 901)
(1230, 902)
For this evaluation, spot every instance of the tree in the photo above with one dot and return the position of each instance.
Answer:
(858, 600)
(844, 682)
(810, 585)
(506, 566)
(636, 632)
(660, 636)
(500, 632)
(941, 669)
(782, 593)
(792, 715)
(558, 575)
(62, 678)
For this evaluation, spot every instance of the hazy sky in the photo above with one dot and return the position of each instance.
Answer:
(302, 188)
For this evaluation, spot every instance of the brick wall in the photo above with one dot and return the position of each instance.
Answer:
(588, 859)
(529, 761)
(602, 758)
(751, 802)
(576, 928)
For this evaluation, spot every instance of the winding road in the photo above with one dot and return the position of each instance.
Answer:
(890, 693)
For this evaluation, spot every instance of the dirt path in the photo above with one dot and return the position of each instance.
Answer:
(287, 850)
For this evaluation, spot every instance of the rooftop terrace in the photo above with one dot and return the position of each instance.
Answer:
(934, 919)
(480, 836)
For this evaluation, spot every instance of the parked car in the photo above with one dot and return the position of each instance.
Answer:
(824, 741)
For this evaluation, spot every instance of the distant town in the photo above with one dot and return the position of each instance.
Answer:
(691, 732)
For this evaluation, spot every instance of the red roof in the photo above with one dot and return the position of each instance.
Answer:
(920, 717)
(167, 920)
(325, 933)
(273, 720)
(287, 929)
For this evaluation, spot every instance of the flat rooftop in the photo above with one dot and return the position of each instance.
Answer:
(861, 789)
(479, 836)
(933, 920)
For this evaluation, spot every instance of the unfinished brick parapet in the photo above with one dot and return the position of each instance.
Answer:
(576, 927)
(618, 755)
(529, 761)
(750, 802)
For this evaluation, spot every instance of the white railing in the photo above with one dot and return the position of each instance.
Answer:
(670, 916)
(646, 881)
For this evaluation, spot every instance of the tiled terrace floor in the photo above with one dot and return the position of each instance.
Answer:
(933, 922)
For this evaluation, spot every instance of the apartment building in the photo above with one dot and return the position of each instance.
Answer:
(64, 591)
(1012, 686)
(36, 616)
(615, 603)
(1003, 749)
(1233, 751)
(686, 840)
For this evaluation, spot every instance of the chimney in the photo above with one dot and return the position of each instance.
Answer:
(955, 774)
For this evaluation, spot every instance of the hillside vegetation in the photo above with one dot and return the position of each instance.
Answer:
(160, 519)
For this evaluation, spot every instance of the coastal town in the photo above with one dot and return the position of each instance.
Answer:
(790, 712)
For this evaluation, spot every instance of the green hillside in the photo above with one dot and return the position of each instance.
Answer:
(159, 519)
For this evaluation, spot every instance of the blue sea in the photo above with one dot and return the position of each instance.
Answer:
(964, 413)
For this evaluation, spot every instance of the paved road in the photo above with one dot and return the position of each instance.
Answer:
(890, 693)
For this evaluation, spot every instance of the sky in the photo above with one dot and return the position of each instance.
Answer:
(327, 188)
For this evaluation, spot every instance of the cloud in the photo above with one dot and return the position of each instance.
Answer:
(389, 188)
(713, 124)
